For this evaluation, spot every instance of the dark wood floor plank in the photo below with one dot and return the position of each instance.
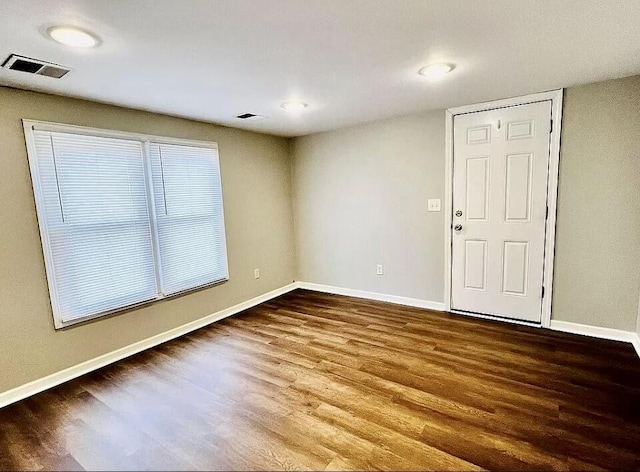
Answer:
(324, 382)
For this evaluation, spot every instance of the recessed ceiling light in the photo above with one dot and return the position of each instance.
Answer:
(435, 71)
(294, 105)
(72, 36)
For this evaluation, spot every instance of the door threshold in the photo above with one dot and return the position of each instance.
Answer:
(504, 319)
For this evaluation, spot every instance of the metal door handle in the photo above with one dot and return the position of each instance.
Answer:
(458, 227)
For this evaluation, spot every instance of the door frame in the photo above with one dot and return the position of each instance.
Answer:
(555, 96)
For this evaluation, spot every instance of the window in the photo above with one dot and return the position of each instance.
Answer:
(124, 219)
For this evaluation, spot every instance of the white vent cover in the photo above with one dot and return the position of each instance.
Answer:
(250, 117)
(35, 66)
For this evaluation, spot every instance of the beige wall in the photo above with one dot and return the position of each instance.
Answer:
(638, 321)
(360, 199)
(597, 279)
(257, 196)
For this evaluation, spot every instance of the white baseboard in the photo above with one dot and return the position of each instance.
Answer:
(597, 332)
(416, 302)
(39, 385)
(57, 378)
(636, 344)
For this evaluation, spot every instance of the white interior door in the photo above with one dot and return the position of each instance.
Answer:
(500, 172)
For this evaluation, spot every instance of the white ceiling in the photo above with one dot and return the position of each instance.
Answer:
(351, 60)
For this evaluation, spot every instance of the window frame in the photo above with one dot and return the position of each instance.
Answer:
(29, 127)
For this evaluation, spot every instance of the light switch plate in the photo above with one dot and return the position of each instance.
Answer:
(433, 204)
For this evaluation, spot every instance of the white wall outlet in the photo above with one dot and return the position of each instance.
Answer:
(433, 204)
(256, 273)
(379, 269)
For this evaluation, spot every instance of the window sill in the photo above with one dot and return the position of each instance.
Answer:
(62, 326)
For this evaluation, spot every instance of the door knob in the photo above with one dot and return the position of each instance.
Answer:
(458, 227)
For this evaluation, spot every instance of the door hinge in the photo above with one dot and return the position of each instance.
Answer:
(543, 291)
(551, 130)
(546, 213)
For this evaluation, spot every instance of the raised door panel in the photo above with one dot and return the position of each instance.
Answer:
(518, 187)
(477, 188)
(475, 264)
(515, 267)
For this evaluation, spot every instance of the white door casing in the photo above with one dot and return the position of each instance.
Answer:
(500, 177)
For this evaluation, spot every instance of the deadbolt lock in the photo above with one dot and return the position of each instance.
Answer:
(458, 213)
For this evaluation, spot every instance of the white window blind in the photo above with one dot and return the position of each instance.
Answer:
(190, 221)
(124, 220)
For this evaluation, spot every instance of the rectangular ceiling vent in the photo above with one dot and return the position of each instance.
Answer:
(250, 116)
(35, 66)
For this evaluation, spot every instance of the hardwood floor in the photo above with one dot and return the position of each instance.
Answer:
(315, 381)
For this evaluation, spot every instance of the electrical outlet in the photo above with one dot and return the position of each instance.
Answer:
(379, 269)
(256, 273)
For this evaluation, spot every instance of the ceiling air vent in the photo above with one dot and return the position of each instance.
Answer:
(250, 116)
(35, 66)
